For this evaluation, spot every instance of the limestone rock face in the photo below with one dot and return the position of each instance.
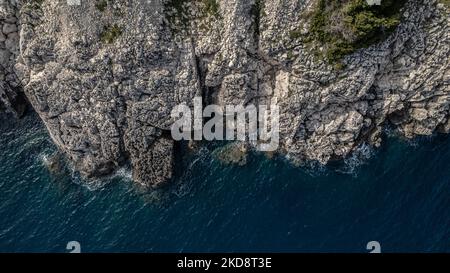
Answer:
(11, 95)
(104, 79)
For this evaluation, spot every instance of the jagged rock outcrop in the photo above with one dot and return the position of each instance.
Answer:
(104, 78)
(11, 95)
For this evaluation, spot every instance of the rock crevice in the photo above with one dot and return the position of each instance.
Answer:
(107, 102)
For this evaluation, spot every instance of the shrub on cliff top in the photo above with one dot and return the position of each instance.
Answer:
(344, 26)
(179, 15)
(110, 34)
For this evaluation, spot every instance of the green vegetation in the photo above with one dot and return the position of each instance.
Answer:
(445, 2)
(179, 16)
(290, 55)
(34, 4)
(342, 27)
(101, 5)
(110, 34)
(176, 12)
(295, 34)
(211, 8)
(33, 7)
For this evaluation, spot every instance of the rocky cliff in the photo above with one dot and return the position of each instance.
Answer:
(12, 99)
(104, 76)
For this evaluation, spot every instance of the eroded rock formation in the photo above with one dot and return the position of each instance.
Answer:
(104, 76)
(11, 96)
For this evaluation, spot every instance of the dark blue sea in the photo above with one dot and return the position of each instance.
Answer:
(398, 195)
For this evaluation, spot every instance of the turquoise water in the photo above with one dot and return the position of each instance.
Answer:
(399, 195)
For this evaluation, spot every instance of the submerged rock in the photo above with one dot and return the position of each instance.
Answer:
(233, 153)
(55, 163)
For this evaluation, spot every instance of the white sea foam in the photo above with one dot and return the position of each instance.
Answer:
(184, 186)
(93, 184)
(359, 157)
(90, 184)
(43, 158)
(123, 173)
(315, 168)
